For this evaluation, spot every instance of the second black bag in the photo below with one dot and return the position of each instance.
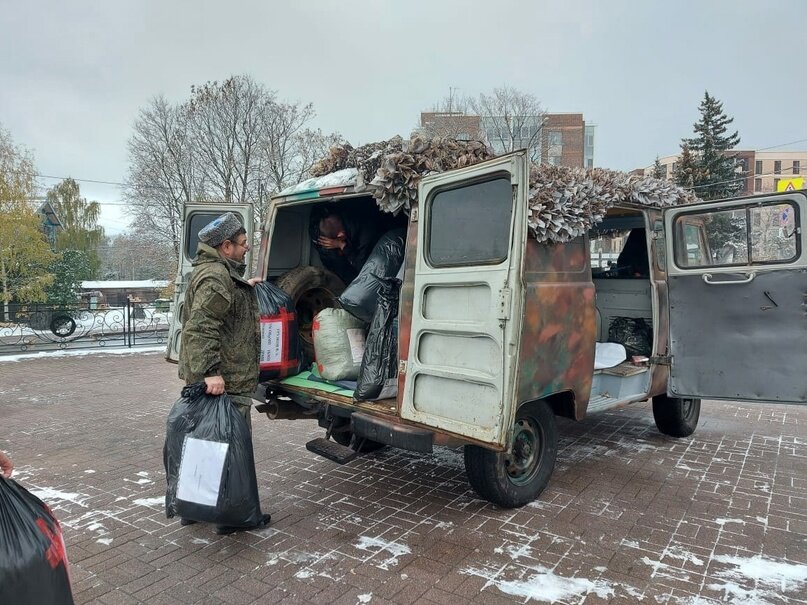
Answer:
(33, 563)
(378, 376)
(209, 463)
(361, 296)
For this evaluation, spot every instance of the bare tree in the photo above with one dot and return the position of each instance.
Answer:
(231, 142)
(454, 117)
(512, 120)
(161, 169)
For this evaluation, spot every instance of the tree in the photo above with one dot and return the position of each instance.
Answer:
(138, 254)
(716, 175)
(658, 170)
(69, 269)
(24, 251)
(512, 120)
(452, 118)
(231, 142)
(686, 169)
(79, 218)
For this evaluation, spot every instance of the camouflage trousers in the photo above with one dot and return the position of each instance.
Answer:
(243, 403)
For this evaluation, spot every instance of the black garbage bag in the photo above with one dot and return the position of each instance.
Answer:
(33, 562)
(378, 376)
(632, 332)
(361, 296)
(280, 338)
(209, 464)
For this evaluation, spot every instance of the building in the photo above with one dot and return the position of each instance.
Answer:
(765, 171)
(562, 139)
(50, 222)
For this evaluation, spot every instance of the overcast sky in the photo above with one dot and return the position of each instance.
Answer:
(73, 74)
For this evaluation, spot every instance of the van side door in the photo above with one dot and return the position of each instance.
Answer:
(466, 318)
(737, 279)
(196, 216)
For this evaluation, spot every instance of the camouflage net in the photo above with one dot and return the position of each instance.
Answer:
(564, 202)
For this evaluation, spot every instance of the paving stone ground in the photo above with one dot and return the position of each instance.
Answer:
(630, 516)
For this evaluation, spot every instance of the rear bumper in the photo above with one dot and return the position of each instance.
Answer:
(391, 433)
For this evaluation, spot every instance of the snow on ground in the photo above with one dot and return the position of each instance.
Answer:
(81, 352)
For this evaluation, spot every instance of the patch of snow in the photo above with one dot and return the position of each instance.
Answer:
(48, 493)
(365, 598)
(304, 574)
(684, 555)
(104, 541)
(340, 178)
(200, 541)
(630, 543)
(82, 352)
(601, 569)
(725, 521)
(516, 552)
(150, 501)
(776, 576)
(404, 576)
(378, 545)
(142, 481)
(89, 471)
(142, 474)
(543, 585)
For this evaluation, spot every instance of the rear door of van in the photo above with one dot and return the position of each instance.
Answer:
(461, 369)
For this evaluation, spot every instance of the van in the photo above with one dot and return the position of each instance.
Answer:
(498, 328)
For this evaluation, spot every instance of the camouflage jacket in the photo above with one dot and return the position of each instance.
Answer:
(220, 324)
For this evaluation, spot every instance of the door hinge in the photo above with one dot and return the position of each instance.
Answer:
(413, 215)
(402, 366)
(661, 360)
(505, 298)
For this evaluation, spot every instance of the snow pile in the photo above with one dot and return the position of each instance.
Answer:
(564, 202)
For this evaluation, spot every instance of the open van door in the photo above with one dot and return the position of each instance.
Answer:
(466, 318)
(196, 216)
(737, 278)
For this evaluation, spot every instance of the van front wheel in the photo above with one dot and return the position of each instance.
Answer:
(512, 479)
(676, 417)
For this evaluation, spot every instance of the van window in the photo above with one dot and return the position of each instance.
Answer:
(758, 234)
(471, 225)
(619, 253)
(195, 224)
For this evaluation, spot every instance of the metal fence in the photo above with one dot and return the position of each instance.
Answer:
(37, 327)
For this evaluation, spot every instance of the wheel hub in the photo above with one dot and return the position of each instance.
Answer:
(523, 461)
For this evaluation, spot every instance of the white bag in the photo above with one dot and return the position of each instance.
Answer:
(338, 344)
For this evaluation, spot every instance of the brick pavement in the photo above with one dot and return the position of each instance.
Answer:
(629, 516)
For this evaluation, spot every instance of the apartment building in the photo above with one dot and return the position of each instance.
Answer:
(562, 139)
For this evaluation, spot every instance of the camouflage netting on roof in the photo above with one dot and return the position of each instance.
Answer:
(564, 203)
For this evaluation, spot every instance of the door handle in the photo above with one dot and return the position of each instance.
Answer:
(707, 278)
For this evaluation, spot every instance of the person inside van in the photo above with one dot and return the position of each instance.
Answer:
(633, 260)
(344, 241)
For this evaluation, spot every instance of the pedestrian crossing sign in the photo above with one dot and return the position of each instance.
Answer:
(790, 184)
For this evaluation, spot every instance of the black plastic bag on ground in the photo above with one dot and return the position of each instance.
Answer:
(33, 562)
(209, 463)
(378, 376)
(634, 333)
(280, 338)
(361, 296)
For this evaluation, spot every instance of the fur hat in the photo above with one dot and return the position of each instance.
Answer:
(220, 229)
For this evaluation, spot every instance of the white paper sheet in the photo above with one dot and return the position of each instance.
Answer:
(200, 471)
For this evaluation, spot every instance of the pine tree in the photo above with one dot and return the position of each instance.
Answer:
(79, 218)
(716, 175)
(685, 171)
(658, 170)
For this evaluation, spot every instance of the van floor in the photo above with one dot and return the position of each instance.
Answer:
(383, 406)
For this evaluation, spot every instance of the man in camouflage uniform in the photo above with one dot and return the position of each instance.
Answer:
(221, 341)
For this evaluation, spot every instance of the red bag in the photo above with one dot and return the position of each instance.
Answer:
(280, 339)
(33, 561)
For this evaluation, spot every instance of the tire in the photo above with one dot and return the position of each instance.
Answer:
(312, 289)
(63, 325)
(515, 478)
(676, 417)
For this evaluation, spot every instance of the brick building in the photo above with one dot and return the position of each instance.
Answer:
(563, 139)
(765, 171)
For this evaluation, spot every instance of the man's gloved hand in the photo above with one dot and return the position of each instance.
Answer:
(215, 385)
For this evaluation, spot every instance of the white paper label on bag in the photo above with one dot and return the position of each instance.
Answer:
(271, 341)
(355, 337)
(200, 471)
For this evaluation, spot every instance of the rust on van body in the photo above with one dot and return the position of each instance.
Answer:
(559, 324)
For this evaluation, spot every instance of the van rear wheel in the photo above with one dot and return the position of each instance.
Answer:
(515, 478)
(676, 417)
